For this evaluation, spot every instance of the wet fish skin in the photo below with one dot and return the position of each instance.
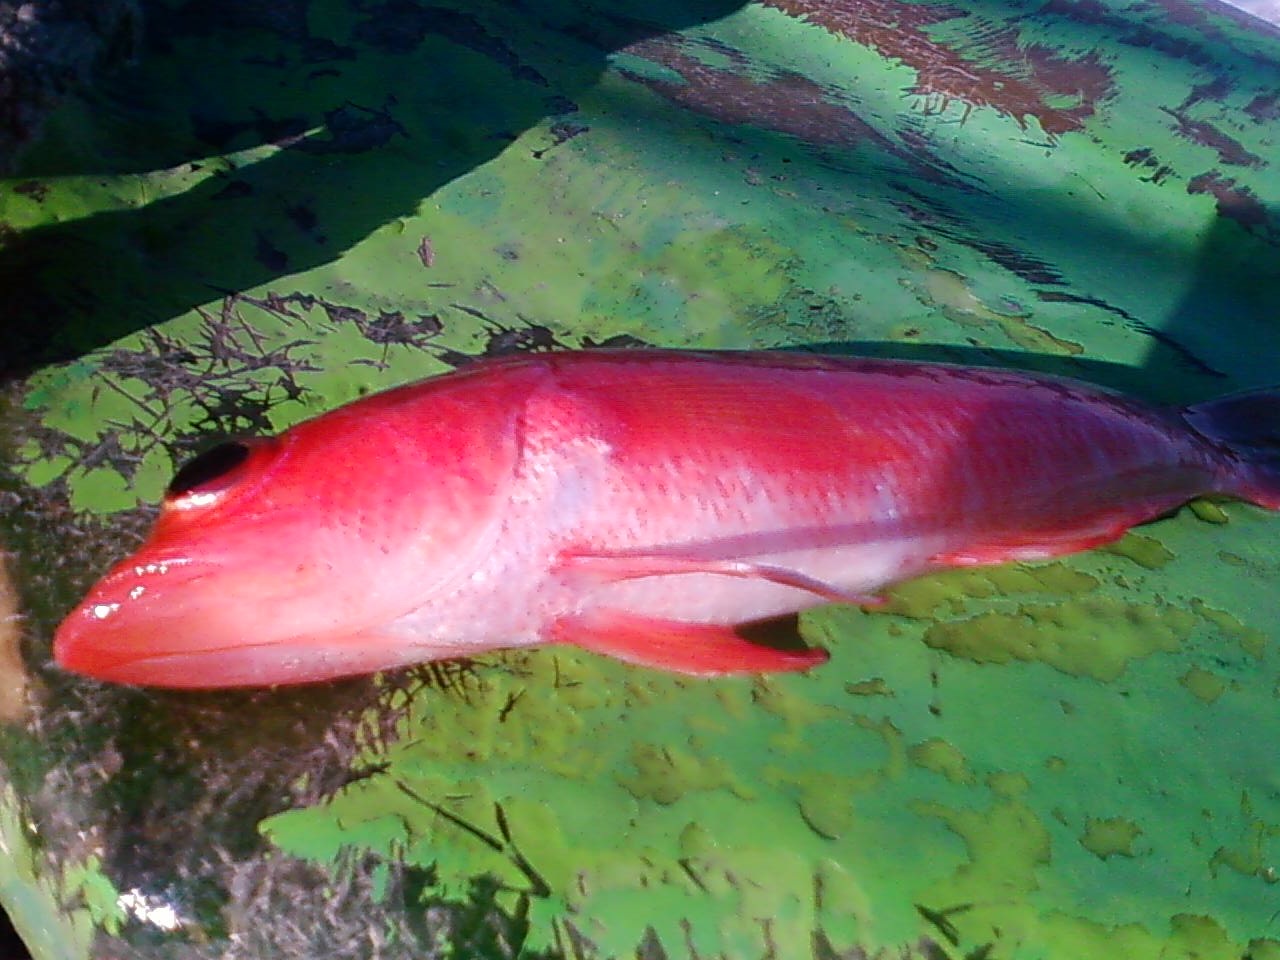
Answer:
(639, 503)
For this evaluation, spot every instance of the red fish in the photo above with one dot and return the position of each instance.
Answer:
(641, 504)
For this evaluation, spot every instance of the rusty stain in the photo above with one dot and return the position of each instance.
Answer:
(1126, 31)
(1182, 13)
(1020, 87)
(1237, 203)
(1193, 14)
(1207, 135)
(1264, 108)
(1216, 89)
(787, 103)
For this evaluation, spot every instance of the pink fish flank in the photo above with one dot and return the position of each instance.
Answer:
(640, 504)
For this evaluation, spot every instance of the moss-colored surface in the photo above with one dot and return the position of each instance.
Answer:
(1204, 685)
(272, 215)
(1110, 837)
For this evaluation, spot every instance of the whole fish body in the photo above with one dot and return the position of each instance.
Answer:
(642, 504)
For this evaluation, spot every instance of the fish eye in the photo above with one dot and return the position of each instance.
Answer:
(201, 475)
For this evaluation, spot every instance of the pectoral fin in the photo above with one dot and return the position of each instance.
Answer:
(699, 649)
(1030, 547)
(611, 567)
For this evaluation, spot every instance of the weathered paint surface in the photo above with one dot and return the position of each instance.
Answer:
(274, 213)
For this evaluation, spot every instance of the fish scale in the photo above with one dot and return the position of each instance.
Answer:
(643, 504)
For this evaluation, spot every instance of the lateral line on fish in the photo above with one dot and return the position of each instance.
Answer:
(636, 565)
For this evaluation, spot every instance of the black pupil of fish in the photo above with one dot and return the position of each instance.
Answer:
(207, 467)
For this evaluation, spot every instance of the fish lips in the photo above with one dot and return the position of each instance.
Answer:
(154, 621)
(144, 607)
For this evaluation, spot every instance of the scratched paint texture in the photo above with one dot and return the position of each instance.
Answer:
(280, 208)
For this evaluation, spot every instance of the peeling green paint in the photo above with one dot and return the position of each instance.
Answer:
(1095, 637)
(1145, 551)
(1204, 685)
(1208, 511)
(941, 757)
(1110, 837)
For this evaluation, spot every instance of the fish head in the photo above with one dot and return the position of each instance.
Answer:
(278, 560)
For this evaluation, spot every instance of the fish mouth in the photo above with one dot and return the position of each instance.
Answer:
(262, 664)
(141, 608)
(244, 665)
(167, 621)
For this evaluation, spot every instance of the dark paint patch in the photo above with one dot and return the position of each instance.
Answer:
(504, 340)
(1264, 108)
(303, 217)
(562, 131)
(1235, 202)
(1216, 89)
(389, 328)
(1184, 14)
(1145, 157)
(617, 341)
(1207, 135)
(393, 327)
(786, 103)
(355, 129)
(269, 255)
(214, 372)
(34, 189)
(1123, 27)
(399, 26)
(1085, 77)
(1020, 87)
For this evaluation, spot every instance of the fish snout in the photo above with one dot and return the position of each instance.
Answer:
(140, 608)
(211, 623)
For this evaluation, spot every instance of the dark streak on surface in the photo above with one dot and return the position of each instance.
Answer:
(925, 209)
(1183, 352)
(1207, 135)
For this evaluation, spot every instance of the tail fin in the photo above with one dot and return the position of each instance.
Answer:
(1248, 426)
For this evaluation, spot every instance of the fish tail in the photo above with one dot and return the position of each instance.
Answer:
(1248, 426)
